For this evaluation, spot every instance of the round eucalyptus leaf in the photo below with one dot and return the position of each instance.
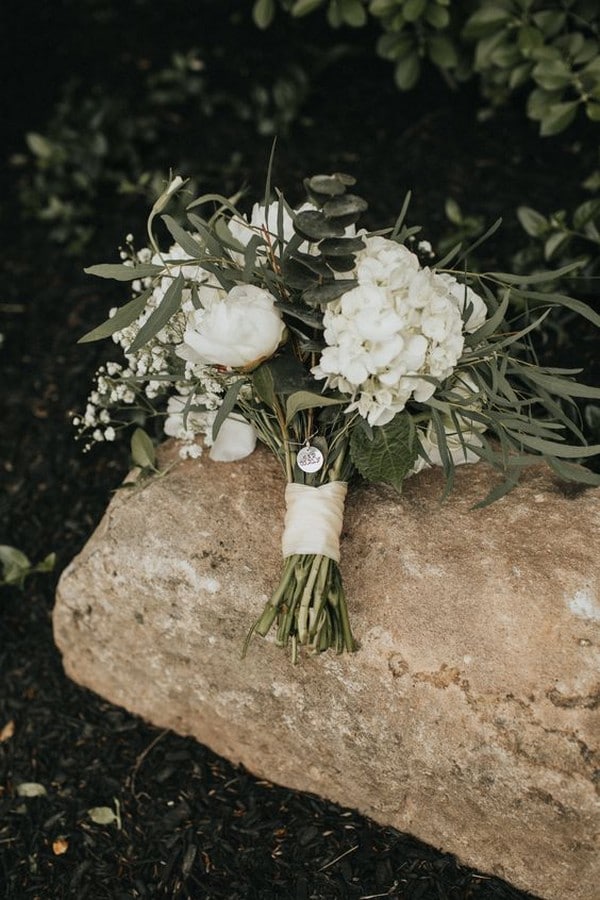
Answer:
(325, 293)
(315, 226)
(341, 246)
(330, 185)
(341, 207)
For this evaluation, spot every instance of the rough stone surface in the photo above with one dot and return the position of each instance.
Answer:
(470, 715)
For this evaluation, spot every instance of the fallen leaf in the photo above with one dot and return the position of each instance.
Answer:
(7, 732)
(102, 815)
(60, 846)
(31, 789)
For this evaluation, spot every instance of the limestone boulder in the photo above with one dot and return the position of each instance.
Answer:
(470, 715)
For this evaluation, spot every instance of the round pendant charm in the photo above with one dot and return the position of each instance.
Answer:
(309, 459)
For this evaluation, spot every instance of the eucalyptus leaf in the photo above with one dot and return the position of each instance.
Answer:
(212, 244)
(185, 240)
(391, 453)
(554, 448)
(159, 317)
(121, 272)
(326, 293)
(537, 277)
(330, 185)
(314, 225)
(343, 207)
(302, 313)
(121, 319)
(341, 246)
(573, 472)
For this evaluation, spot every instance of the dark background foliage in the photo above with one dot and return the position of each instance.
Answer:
(114, 94)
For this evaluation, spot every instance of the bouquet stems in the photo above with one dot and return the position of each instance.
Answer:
(308, 608)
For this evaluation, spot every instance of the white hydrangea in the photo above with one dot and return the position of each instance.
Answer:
(396, 334)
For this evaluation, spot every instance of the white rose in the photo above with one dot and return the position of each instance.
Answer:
(237, 330)
(466, 296)
(464, 387)
(262, 218)
(235, 440)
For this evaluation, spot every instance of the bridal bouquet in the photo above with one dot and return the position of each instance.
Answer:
(347, 352)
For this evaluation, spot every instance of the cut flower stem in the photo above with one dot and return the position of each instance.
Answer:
(309, 607)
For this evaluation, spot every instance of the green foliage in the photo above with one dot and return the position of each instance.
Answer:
(500, 404)
(100, 141)
(16, 567)
(385, 453)
(565, 237)
(549, 48)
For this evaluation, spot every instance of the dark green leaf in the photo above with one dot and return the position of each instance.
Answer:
(345, 207)
(413, 9)
(329, 185)
(289, 375)
(264, 385)
(407, 71)
(302, 313)
(325, 293)
(308, 400)
(390, 455)
(226, 407)
(313, 225)
(341, 246)
(558, 117)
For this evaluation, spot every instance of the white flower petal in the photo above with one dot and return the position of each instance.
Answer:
(235, 440)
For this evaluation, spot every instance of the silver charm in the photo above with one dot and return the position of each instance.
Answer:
(309, 459)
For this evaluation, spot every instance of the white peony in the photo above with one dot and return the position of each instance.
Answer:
(264, 218)
(237, 330)
(235, 440)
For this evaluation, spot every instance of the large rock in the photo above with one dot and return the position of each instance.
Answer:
(468, 718)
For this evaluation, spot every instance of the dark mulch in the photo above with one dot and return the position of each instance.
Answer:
(190, 825)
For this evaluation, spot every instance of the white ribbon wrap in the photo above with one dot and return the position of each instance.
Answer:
(313, 519)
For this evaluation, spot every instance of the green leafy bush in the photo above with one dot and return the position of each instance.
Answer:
(548, 48)
(100, 141)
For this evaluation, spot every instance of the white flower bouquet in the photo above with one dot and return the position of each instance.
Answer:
(343, 352)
